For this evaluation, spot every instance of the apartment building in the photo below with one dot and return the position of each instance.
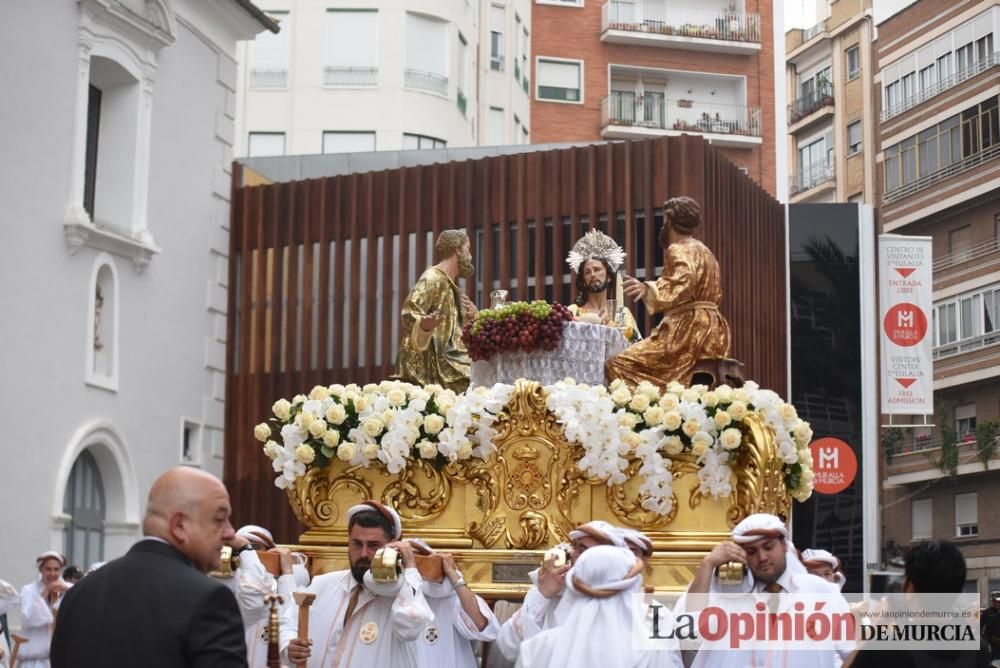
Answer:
(370, 75)
(831, 125)
(939, 175)
(631, 69)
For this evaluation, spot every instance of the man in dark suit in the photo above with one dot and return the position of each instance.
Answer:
(156, 607)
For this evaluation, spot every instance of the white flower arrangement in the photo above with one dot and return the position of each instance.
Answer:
(396, 423)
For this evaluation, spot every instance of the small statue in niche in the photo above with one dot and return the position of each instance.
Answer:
(98, 307)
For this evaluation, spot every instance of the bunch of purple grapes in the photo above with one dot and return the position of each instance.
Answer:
(519, 325)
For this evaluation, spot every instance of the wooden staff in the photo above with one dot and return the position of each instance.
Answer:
(18, 640)
(303, 600)
(273, 648)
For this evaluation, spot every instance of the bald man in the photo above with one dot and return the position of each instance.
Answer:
(156, 607)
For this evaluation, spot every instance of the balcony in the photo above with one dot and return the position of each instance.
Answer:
(811, 107)
(915, 461)
(425, 81)
(496, 63)
(350, 76)
(818, 177)
(970, 254)
(958, 167)
(652, 23)
(921, 96)
(269, 77)
(966, 345)
(812, 31)
(624, 115)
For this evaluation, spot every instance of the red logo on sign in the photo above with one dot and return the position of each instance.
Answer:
(905, 324)
(905, 271)
(906, 382)
(834, 465)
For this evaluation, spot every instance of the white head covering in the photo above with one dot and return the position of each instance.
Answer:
(814, 557)
(257, 535)
(387, 512)
(50, 554)
(638, 540)
(606, 533)
(760, 526)
(599, 595)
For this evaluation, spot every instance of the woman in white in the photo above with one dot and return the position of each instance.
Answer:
(9, 600)
(39, 603)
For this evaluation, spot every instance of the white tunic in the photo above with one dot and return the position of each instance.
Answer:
(380, 633)
(251, 584)
(447, 641)
(37, 621)
(9, 600)
(534, 616)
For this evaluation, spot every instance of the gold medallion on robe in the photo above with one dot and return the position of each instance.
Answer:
(368, 633)
(431, 635)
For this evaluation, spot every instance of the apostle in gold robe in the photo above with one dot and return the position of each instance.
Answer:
(430, 345)
(688, 295)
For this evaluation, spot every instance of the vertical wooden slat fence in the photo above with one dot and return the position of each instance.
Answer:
(320, 268)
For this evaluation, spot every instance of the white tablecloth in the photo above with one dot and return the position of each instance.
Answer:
(581, 354)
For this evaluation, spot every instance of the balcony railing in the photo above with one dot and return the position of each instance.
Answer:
(807, 104)
(921, 96)
(350, 76)
(429, 81)
(657, 18)
(496, 63)
(268, 77)
(918, 444)
(627, 109)
(966, 345)
(812, 31)
(462, 101)
(811, 176)
(946, 172)
(973, 252)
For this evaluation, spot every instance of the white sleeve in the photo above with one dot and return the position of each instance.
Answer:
(10, 599)
(286, 585)
(410, 612)
(35, 612)
(253, 584)
(528, 621)
(467, 628)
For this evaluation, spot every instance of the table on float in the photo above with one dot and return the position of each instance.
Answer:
(581, 355)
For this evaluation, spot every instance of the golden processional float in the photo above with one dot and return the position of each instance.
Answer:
(498, 475)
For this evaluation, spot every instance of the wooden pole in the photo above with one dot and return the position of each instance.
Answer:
(303, 600)
(273, 646)
(18, 641)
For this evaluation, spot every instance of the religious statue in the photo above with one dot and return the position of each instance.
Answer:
(430, 346)
(688, 295)
(595, 259)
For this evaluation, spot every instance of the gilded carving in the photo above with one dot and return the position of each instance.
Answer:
(317, 497)
(420, 493)
(760, 478)
(534, 531)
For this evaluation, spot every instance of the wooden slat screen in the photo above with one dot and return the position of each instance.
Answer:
(319, 268)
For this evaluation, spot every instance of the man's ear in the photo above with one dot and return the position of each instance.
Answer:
(177, 526)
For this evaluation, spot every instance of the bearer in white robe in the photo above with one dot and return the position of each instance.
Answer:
(760, 542)
(39, 603)
(547, 585)
(9, 600)
(460, 618)
(824, 564)
(251, 583)
(355, 622)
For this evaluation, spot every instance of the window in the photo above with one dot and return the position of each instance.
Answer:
(927, 149)
(190, 442)
(426, 62)
(494, 127)
(947, 328)
(984, 48)
(966, 515)
(927, 80)
(559, 81)
(853, 63)
(909, 88)
(892, 168)
(269, 55)
(943, 67)
(348, 142)
(964, 57)
(965, 421)
(524, 58)
(412, 141)
(351, 48)
(921, 510)
(892, 96)
(463, 53)
(517, 129)
(262, 144)
(498, 20)
(90, 162)
(83, 501)
(854, 138)
(517, 48)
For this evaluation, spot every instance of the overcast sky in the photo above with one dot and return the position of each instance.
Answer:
(802, 13)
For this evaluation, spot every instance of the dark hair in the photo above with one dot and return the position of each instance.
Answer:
(682, 213)
(581, 286)
(72, 573)
(370, 519)
(935, 567)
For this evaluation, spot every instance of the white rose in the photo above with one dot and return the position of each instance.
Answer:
(370, 451)
(673, 445)
(360, 404)
(433, 424)
(640, 402)
(807, 476)
(617, 384)
(388, 416)
(690, 395)
(464, 451)
(653, 416)
(352, 388)
(731, 438)
(669, 402)
(710, 399)
(336, 414)
(722, 419)
(433, 388)
(262, 432)
(317, 428)
(628, 420)
(319, 393)
(444, 403)
(621, 396)
(675, 388)
(672, 420)
(396, 397)
(647, 388)
(305, 420)
(331, 438)
(282, 409)
(632, 440)
(805, 458)
(372, 426)
(346, 452)
(305, 454)
(740, 394)
(737, 410)
(788, 412)
(803, 434)
(336, 388)
(369, 388)
(298, 399)
(690, 428)
(699, 448)
(427, 449)
(272, 450)
(724, 393)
